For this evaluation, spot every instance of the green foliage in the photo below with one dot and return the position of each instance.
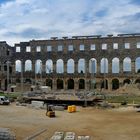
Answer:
(123, 98)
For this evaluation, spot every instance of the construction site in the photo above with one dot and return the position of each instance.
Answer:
(77, 88)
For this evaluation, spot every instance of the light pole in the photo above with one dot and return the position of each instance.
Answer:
(21, 76)
(41, 72)
(92, 74)
(8, 62)
(104, 73)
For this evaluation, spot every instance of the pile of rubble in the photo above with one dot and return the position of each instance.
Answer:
(68, 136)
(6, 134)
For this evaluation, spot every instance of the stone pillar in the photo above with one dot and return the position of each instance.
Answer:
(121, 67)
(33, 66)
(76, 66)
(86, 74)
(54, 67)
(109, 84)
(109, 68)
(76, 84)
(98, 68)
(43, 68)
(133, 67)
(54, 84)
(65, 84)
(65, 67)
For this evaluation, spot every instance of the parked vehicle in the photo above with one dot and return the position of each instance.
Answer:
(4, 100)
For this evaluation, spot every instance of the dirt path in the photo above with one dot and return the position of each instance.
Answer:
(100, 124)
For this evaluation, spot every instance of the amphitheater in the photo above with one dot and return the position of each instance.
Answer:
(74, 64)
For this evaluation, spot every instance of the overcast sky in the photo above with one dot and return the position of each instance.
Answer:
(23, 20)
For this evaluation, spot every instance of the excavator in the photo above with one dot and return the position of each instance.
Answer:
(50, 111)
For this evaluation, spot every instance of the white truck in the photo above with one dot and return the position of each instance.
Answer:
(4, 100)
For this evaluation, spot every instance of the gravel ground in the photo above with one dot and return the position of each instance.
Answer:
(100, 124)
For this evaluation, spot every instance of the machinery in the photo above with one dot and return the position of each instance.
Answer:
(50, 111)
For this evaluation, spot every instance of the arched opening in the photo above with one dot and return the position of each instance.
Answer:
(137, 65)
(49, 83)
(28, 65)
(127, 64)
(18, 80)
(18, 65)
(104, 65)
(59, 84)
(81, 66)
(70, 66)
(126, 81)
(81, 84)
(92, 84)
(49, 66)
(28, 81)
(59, 66)
(6, 84)
(92, 65)
(104, 84)
(115, 65)
(38, 66)
(70, 84)
(137, 81)
(115, 84)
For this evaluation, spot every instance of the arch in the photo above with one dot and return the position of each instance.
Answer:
(137, 65)
(49, 66)
(18, 65)
(59, 66)
(70, 66)
(115, 84)
(28, 65)
(104, 65)
(38, 66)
(137, 81)
(92, 65)
(115, 65)
(70, 84)
(104, 84)
(81, 65)
(81, 84)
(60, 84)
(49, 83)
(18, 80)
(127, 64)
(28, 80)
(126, 81)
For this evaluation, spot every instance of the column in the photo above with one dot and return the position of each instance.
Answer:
(133, 66)
(109, 67)
(65, 67)
(86, 74)
(98, 67)
(76, 66)
(121, 67)
(43, 67)
(54, 67)
(54, 84)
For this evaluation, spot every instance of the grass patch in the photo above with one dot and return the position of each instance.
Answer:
(10, 95)
(124, 98)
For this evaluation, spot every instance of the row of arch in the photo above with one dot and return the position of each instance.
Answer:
(81, 83)
(70, 65)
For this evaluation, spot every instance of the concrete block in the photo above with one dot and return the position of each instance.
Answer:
(83, 138)
(37, 104)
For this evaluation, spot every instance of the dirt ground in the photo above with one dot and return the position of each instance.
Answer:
(100, 124)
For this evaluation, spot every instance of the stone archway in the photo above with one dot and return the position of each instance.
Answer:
(70, 84)
(115, 84)
(60, 84)
(81, 84)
